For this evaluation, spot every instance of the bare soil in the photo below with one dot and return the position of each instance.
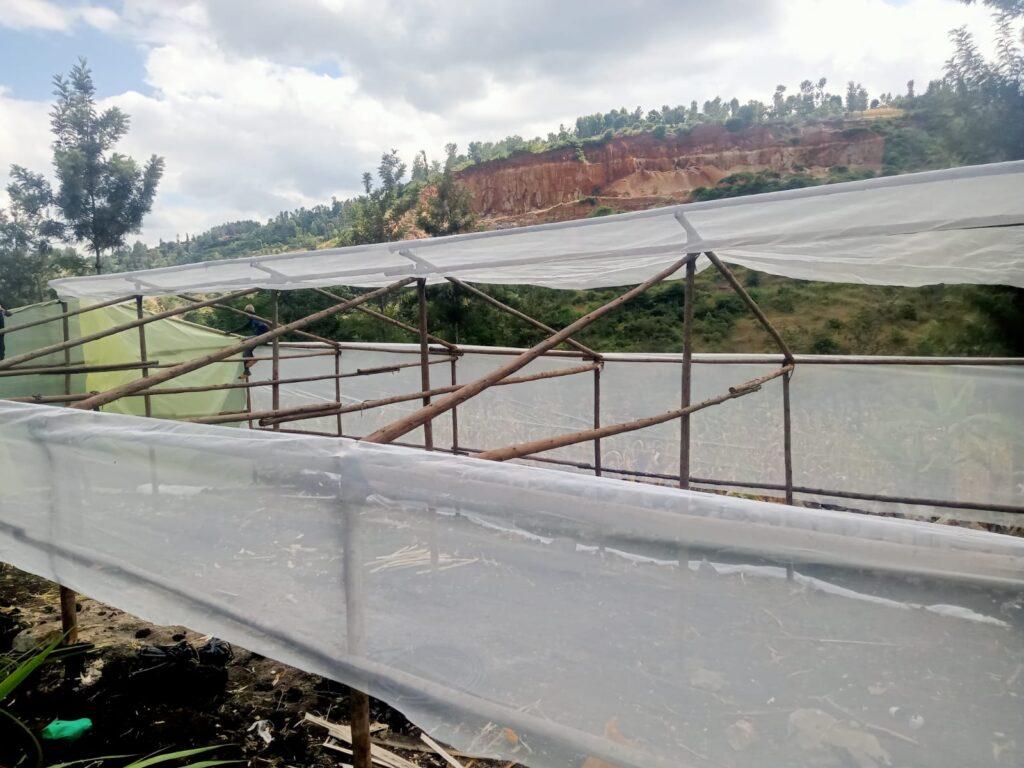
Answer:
(142, 700)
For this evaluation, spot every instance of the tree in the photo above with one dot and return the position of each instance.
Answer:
(379, 210)
(449, 210)
(102, 195)
(27, 257)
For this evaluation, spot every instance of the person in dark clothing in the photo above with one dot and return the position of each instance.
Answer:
(4, 314)
(252, 327)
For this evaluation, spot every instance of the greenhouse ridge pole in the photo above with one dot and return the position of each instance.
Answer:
(396, 429)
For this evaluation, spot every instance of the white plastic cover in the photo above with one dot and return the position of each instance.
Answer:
(961, 225)
(947, 432)
(535, 614)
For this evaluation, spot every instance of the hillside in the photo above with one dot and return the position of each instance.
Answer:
(646, 170)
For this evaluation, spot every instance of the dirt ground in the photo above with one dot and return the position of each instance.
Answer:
(142, 698)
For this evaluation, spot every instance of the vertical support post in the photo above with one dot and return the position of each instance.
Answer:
(421, 296)
(143, 356)
(276, 363)
(355, 623)
(66, 328)
(68, 598)
(787, 438)
(337, 383)
(455, 411)
(687, 374)
(597, 421)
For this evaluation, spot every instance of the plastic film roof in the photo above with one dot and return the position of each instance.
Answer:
(961, 225)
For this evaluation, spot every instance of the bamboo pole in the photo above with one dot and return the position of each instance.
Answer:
(143, 356)
(409, 423)
(337, 384)
(68, 598)
(275, 371)
(63, 370)
(319, 410)
(751, 305)
(421, 301)
(251, 316)
(191, 365)
(787, 438)
(71, 343)
(597, 420)
(521, 315)
(355, 629)
(687, 375)
(546, 444)
(65, 314)
(393, 321)
(455, 411)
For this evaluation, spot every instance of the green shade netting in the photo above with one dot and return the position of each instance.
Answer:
(167, 341)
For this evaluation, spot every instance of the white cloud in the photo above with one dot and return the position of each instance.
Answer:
(259, 106)
(53, 17)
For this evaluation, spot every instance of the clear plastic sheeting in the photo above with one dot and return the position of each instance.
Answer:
(961, 225)
(538, 615)
(168, 341)
(946, 432)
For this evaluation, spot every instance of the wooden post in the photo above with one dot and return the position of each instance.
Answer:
(455, 411)
(355, 626)
(68, 598)
(337, 385)
(147, 399)
(395, 430)
(421, 300)
(787, 438)
(687, 381)
(597, 420)
(191, 365)
(275, 371)
(143, 357)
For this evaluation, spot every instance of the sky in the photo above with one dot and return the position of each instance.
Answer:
(260, 106)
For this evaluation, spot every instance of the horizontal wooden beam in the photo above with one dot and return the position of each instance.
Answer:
(549, 443)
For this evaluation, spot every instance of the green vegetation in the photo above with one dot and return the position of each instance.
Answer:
(16, 670)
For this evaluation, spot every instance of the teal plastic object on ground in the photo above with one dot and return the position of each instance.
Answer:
(67, 730)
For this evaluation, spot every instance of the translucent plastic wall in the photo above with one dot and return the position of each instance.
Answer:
(954, 433)
(167, 341)
(535, 614)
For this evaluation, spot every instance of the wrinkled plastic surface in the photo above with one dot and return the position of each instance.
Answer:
(947, 432)
(537, 614)
(949, 226)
